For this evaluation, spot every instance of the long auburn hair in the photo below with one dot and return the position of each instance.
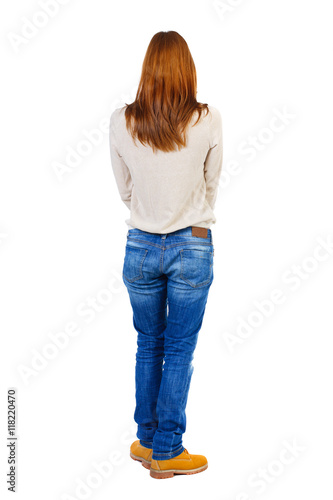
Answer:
(166, 97)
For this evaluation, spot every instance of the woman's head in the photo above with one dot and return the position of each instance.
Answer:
(166, 96)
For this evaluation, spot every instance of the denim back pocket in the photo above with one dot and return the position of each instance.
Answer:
(196, 266)
(133, 263)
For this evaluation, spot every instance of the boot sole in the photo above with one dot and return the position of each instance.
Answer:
(157, 474)
(144, 462)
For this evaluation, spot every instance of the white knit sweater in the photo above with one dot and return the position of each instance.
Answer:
(167, 191)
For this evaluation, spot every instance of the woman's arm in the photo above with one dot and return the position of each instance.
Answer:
(214, 158)
(120, 169)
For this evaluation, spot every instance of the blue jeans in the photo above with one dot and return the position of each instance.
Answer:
(168, 277)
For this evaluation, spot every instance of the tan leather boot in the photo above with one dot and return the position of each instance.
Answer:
(181, 464)
(141, 453)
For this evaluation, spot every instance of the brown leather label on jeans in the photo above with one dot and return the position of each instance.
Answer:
(201, 232)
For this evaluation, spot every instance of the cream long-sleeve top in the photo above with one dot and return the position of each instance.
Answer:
(167, 191)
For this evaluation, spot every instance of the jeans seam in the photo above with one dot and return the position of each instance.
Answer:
(169, 455)
(202, 243)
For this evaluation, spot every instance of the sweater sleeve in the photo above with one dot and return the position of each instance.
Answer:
(119, 167)
(214, 158)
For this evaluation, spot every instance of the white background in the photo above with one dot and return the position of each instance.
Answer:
(62, 245)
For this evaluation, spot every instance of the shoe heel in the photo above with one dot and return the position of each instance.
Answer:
(161, 474)
(145, 464)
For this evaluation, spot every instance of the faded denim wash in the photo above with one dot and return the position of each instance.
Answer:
(168, 277)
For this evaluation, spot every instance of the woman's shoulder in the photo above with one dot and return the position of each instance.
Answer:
(214, 111)
(117, 114)
(215, 118)
(210, 117)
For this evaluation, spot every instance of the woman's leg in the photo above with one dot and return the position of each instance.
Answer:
(148, 299)
(188, 264)
(186, 311)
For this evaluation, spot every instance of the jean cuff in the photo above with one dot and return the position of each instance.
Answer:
(167, 456)
(146, 444)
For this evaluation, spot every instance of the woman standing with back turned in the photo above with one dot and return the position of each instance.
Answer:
(166, 155)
